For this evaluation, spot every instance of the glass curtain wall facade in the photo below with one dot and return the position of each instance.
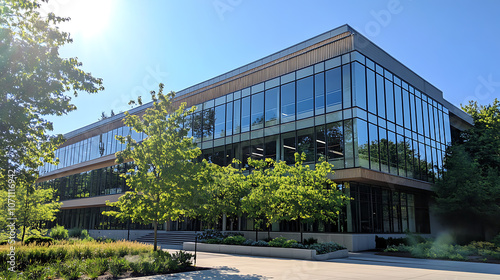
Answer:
(348, 110)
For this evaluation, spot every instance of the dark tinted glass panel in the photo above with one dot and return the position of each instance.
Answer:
(208, 124)
(288, 147)
(371, 91)
(398, 99)
(305, 97)
(359, 85)
(197, 125)
(319, 93)
(320, 143)
(384, 152)
(389, 100)
(406, 109)
(257, 149)
(305, 143)
(271, 147)
(420, 121)
(425, 113)
(374, 147)
(380, 96)
(219, 156)
(258, 110)
(272, 106)
(229, 118)
(237, 116)
(346, 85)
(393, 154)
(363, 152)
(333, 90)
(335, 142)
(348, 144)
(245, 114)
(220, 121)
(288, 102)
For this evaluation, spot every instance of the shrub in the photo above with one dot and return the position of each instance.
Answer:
(210, 234)
(182, 259)
(496, 240)
(297, 245)
(248, 242)
(214, 241)
(41, 240)
(277, 242)
(117, 266)
(59, 233)
(327, 247)
(95, 267)
(289, 243)
(105, 240)
(75, 232)
(261, 243)
(310, 241)
(234, 240)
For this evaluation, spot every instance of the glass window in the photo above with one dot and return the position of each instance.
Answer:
(346, 85)
(362, 147)
(413, 113)
(320, 143)
(426, 118)
(257, 149)
(374, 147)
(288, 147)
(305, 143)
(257, 118)
(398, 97)
(384, 152)
(389, 97)
(447, 132)
(208, 124)
(197, 127)
(380, 96)
(393, 154)
(220, 121)
(305, 97)
(335, 142)
(431, 122)
(271, 104)
(271, 147)
(245, 114)
(229, 154)
(371, 91)
(406, 109)
(229, 118)
(359, 86)
(237, 116)
(418, 109)
(348, 144)
(288, 102)
(319, 93)
(333, 90)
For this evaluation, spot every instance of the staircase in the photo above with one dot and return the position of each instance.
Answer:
(168, 237)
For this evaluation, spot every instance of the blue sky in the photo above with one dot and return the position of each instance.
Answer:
(133, 45)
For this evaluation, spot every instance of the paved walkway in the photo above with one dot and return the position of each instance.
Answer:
(357, 266)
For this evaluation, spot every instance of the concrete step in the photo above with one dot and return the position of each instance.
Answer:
(171, 237)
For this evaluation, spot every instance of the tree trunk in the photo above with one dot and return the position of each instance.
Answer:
(301, 231)
(155, 225)
(268, 232)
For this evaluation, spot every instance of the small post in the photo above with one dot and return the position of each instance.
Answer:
(195, 243)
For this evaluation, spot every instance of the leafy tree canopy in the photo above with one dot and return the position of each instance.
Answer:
(34, 80)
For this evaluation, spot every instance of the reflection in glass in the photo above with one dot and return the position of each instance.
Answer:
(245, 114)
(362, 146)
(346, 85)
(288, 147)
(257, 117)
(359, 86)
(229, 118)
(371, 91)
(380, 96)
(208, 124)
(333, 90)
(320, 143)
(271, 105)
(305, 143)
(288, 102)
(389, 100)
(335, 143)
(271, 147)
(319, 93)
(374, 147)
(257, 149)
(305, 97)
(220, 121)
(237, 117)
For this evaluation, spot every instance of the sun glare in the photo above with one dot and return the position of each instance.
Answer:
(89, 18)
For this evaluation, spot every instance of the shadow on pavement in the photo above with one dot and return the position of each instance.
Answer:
(223, 273)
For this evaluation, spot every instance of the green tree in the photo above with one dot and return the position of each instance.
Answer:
(468, 193)
(163, 182)
(34, 80)
(34, 205)
(223, 190)
(296, 192)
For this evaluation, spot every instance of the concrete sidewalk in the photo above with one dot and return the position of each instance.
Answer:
(357, 266)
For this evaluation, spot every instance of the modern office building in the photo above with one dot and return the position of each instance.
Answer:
(336, 96)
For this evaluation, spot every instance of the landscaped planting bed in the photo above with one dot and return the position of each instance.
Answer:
(77, 259)
(233, 243)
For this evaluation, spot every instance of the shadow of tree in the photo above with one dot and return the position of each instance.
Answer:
(222, 273)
